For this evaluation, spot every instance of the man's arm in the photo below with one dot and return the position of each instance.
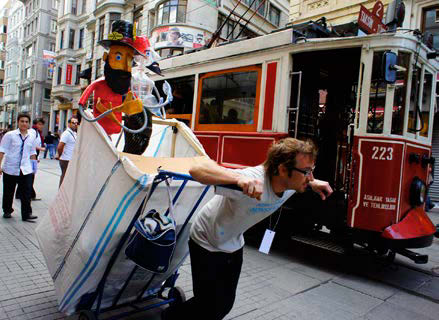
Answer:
(208, 171)
(60, 150)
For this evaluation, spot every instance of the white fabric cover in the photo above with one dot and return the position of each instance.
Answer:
(100, 194)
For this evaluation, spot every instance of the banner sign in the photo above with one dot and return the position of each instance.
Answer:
(69, 74)
(370, 22)
(184, 37)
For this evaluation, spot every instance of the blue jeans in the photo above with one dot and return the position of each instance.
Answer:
(51, 149)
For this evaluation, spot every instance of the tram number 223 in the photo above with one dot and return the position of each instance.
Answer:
(382, 153)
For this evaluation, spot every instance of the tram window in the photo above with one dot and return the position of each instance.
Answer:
(414, 99)
(359, 93)
(399, 99)
(377, 96)
(183, 96)
(183, 93)
(426, 102)
(229, 98)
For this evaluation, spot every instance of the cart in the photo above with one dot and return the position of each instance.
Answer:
(175, 295)
(83, 236)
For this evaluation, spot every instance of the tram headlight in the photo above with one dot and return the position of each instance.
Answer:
(418, 192)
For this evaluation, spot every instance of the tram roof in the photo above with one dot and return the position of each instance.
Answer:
(282, 40)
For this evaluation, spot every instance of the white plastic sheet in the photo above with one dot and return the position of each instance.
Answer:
(101, 192)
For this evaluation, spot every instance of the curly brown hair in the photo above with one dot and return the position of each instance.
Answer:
(284, 152)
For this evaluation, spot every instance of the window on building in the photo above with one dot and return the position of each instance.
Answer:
(81, 38)
(53, 25)
(36, 24)
(55, 4)
(151, 21)
(61, 39)
(84, 6)
(92, 43)
(71, 38)
(66, 7)
(78, 72)
(431, 24)
(101, 28)
(74, 6)
(47, 93)
(274, 15)
(59, 75)
(229, 98)
(258, 5)
(137, 18)
(52, 46)
(169, 52)
(2, 65)
(98, 68)
(113, 17)
(29, 50)
(27, 73)
(172, 12)
(226, 30)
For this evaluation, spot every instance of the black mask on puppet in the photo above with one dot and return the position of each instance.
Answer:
(118, 80)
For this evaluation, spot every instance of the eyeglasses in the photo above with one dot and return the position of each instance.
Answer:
(307, 172)
(74, 122)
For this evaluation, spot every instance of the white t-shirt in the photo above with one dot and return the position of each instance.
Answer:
(18, 151)
(69, 139)
(220, 224)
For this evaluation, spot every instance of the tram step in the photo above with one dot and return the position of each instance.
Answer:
(317, 241)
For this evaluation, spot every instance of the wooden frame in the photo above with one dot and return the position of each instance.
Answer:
(230, 127)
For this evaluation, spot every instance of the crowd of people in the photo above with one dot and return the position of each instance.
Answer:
(20, 151)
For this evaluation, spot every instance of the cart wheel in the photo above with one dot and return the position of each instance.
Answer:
(86, 315)
(176, 293)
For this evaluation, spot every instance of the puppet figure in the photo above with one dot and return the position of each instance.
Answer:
(113, 90)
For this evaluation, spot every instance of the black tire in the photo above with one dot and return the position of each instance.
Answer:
(176, 293)
(86, 315)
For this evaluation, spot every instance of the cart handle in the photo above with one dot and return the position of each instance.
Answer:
(183, 176)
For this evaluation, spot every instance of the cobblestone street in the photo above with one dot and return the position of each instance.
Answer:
(282, 285)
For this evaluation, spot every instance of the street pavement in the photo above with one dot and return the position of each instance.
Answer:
(293, 282)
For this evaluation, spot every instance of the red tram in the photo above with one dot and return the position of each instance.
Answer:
(368, 103)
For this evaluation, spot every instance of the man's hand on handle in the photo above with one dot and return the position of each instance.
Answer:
(250, 187)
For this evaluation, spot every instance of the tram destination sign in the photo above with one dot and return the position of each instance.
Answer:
(370, 22)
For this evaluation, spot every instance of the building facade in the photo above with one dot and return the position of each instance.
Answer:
(38, 38)
(4, 16)
(173, 27)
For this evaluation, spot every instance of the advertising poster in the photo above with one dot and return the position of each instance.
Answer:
(185, 37)
(49, 62)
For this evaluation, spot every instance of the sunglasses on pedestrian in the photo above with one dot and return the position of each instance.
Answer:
(74, 122)
(307, 172)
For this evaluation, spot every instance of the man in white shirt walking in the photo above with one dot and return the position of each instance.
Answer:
(18, 149)
(66, 146)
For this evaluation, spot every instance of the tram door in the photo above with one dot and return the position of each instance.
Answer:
(322, 108)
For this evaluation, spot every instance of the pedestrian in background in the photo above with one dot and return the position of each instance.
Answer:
(38, 126)
(35, 134)
(18, 149)
(66, 146)
(50, 145)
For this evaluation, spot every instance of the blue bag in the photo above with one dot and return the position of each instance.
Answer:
(153, 243)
